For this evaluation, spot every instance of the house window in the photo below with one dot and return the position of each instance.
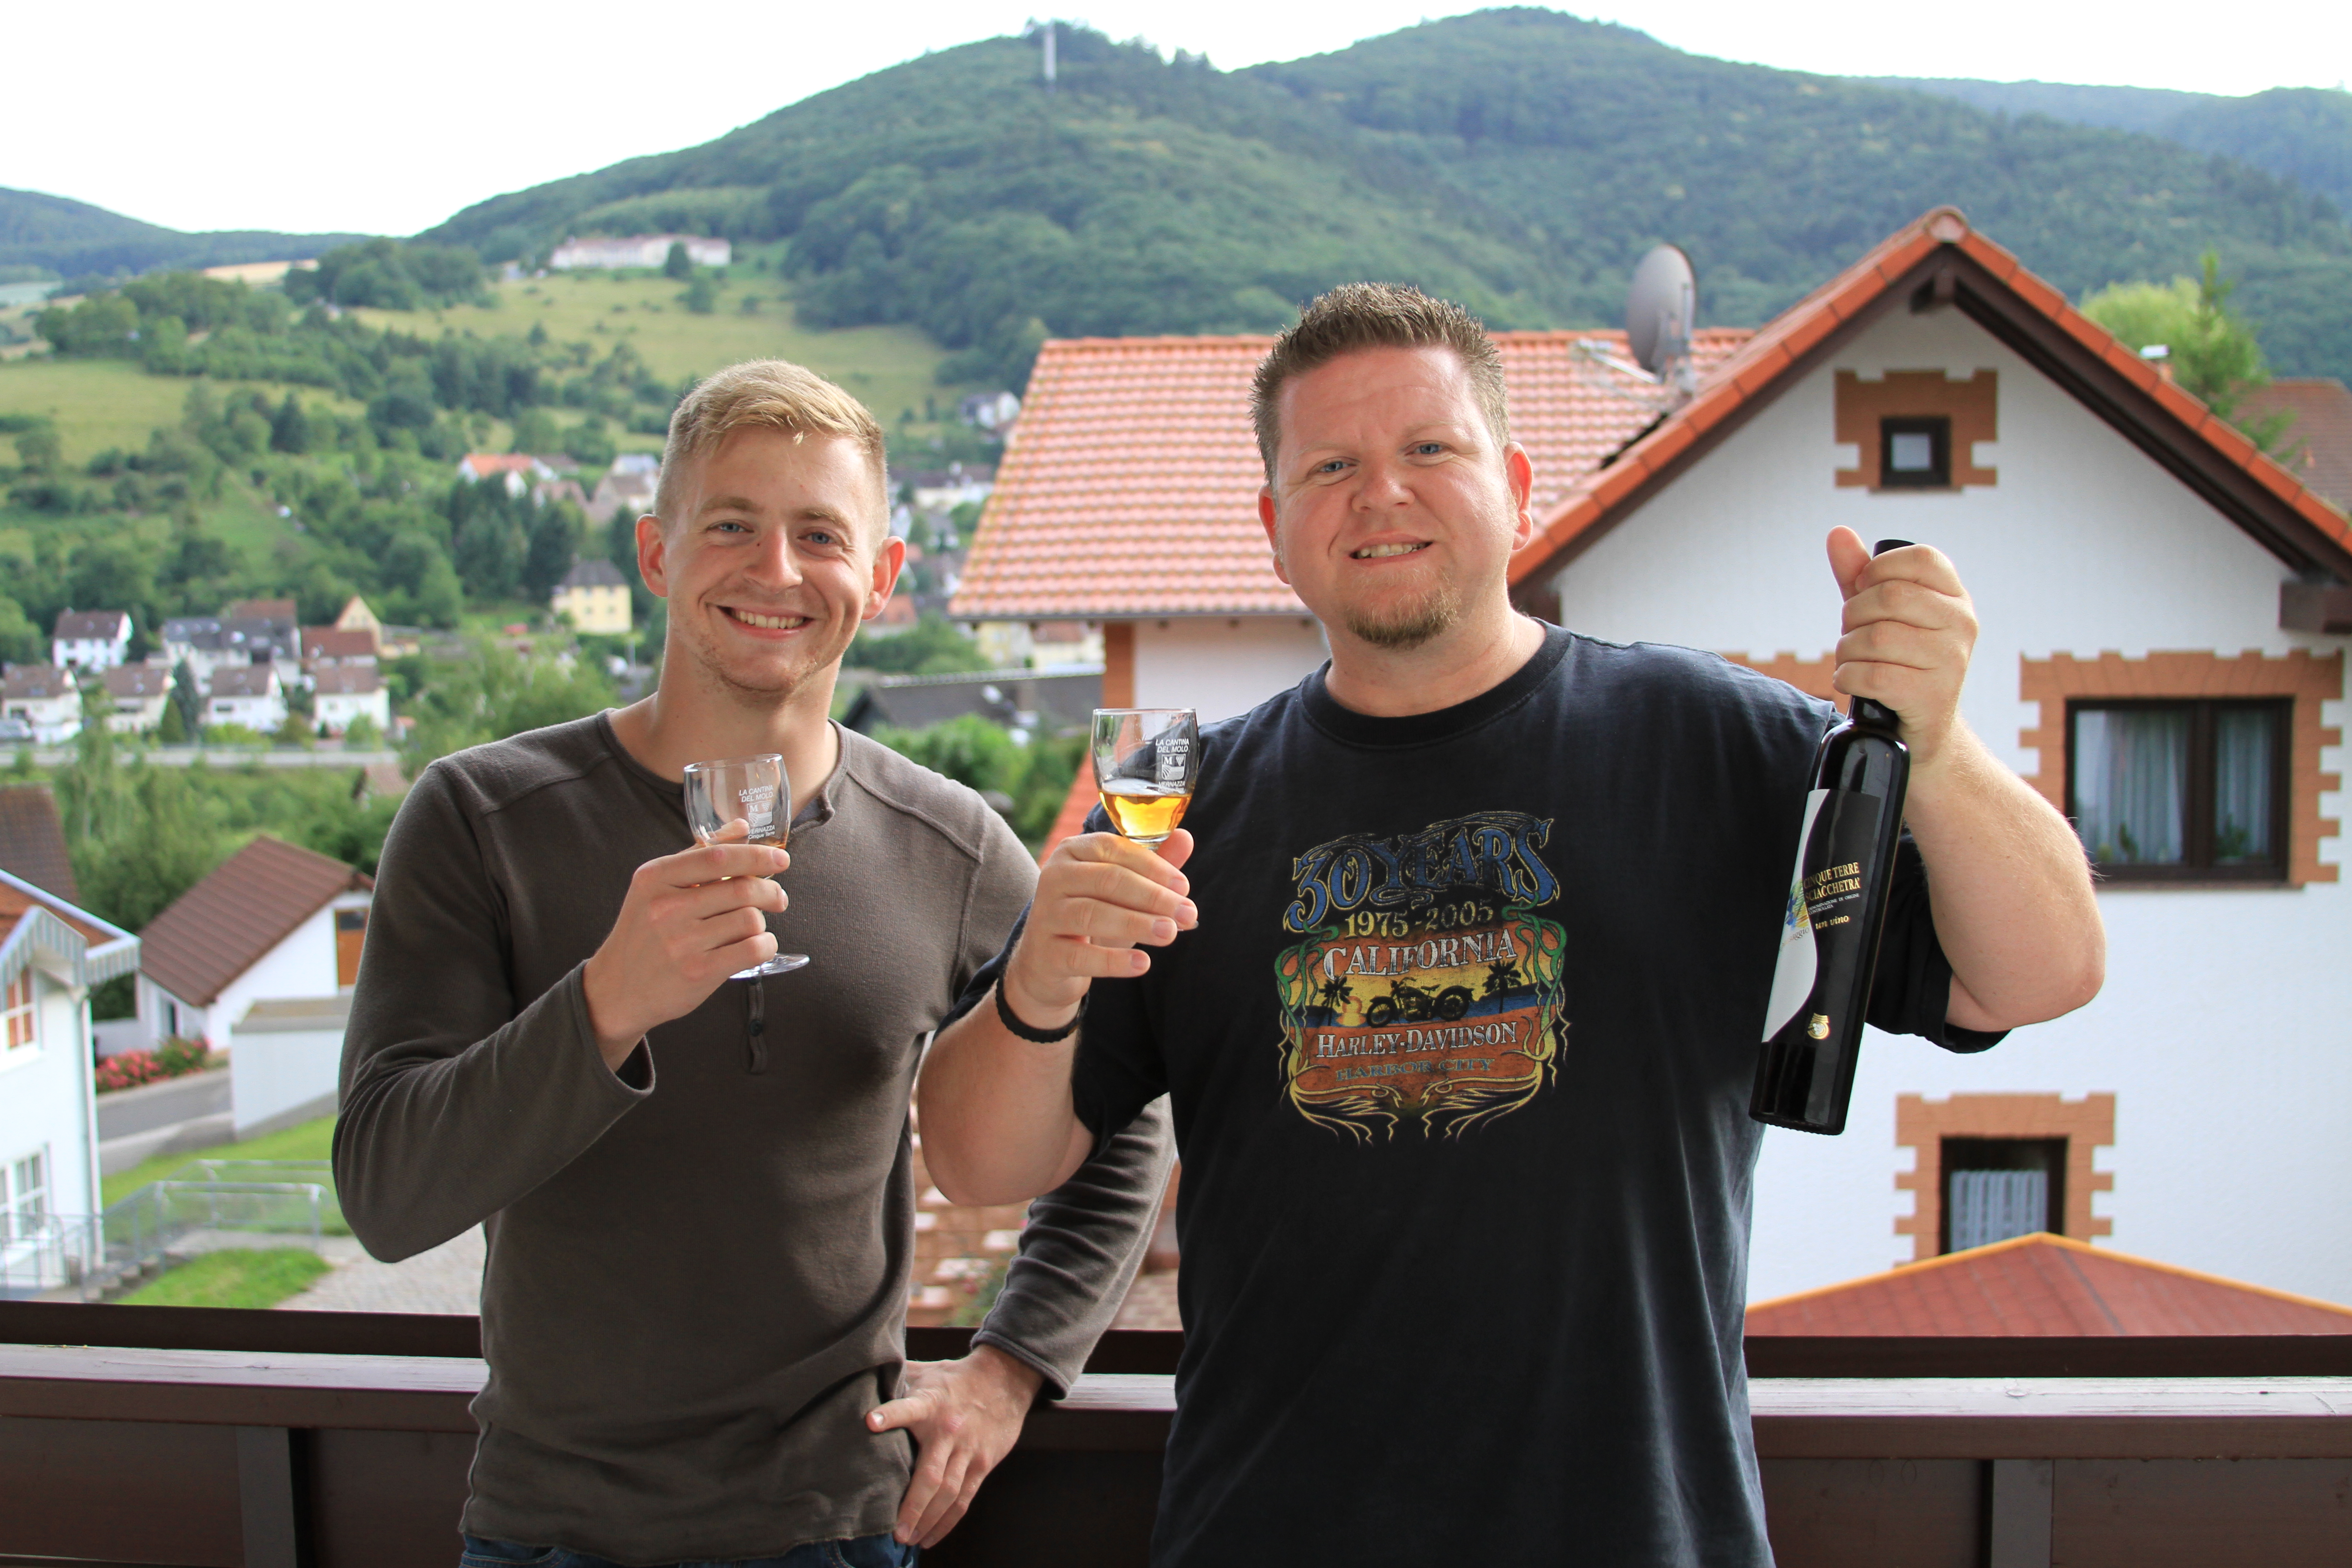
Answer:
(23, 1195)
(1996, 1188)
(350, 930)
(17, 1030)
(2180, 791)
(1915, 452)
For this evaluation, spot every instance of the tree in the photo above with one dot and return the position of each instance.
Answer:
(933, 645)
(39, 449)
(701, 297)
(553, 546)
(290, 431)
(2213, 353)
(21, 641)
(678, 264)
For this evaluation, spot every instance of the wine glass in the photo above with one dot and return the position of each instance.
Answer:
(743, 799)
(1147, 762)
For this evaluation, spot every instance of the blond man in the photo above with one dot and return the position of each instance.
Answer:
(699, 1191)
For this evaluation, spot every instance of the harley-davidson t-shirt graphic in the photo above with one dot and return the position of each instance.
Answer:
(1427, 991)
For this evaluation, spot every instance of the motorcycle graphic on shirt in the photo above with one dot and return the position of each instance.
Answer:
(1427, 988)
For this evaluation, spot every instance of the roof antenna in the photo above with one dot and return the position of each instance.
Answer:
(1049, 57)
(1661, 311)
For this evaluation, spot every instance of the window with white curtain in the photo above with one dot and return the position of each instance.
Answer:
(2181, 790)
(23, 1195)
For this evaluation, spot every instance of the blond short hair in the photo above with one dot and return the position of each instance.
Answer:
(1356, 316)
(773, 395)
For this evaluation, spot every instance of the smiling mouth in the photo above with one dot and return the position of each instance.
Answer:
(1382, 552)
(765, 623)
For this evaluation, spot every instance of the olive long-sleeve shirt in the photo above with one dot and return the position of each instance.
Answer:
(699, 1265)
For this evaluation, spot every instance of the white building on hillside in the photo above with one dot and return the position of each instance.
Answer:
(247, 694)
(638, 250)
(595, 596)
(349, 691)
(273, 921)
(2166, 614)
(89, 639)
(139, 692)
(43, 697)
(51, 953)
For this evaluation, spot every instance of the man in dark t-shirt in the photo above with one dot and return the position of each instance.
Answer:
(1461, 973)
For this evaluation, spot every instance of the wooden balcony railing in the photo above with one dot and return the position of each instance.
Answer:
(200, 1439)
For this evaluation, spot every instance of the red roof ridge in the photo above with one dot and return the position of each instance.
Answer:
(2044, 1238)
(1777, 346)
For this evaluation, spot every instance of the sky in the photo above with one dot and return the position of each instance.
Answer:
(313, 119)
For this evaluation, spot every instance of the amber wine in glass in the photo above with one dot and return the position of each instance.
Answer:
(743, 799)
(1146, 761)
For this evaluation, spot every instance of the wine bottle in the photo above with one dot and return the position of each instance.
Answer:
(1831, 926)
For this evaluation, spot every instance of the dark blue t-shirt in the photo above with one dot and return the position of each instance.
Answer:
(1460, 1058)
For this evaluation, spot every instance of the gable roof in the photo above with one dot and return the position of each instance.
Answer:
(136, 680)
(225, 924)
(2319, 443)
(32, 840)
(92, 626)
(335, 642)
(347, 679)
(244, 680)
(273, 611)
(36, 682)
(2046, 1285)
(1129, 485)
(594, 573)
(37, 924)
(1938, 262)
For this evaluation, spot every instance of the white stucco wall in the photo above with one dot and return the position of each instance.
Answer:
(2224, 1026)
(1222, 666)
(46, 1099)
(303, 964)
(276, 1074)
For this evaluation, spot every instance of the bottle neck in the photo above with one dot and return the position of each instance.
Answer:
(1872, 715)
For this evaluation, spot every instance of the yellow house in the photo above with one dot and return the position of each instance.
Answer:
(597, 596)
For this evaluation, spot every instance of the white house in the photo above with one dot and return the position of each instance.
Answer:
(2164, 615)
(44, 697)
(51, 953)
(275, 921)
(348, 691)
(247, 694)
(638, 250)
(629, 484)
(89, 639)
(138, 692)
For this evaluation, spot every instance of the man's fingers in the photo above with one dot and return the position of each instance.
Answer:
(713, 862)
(944, 1503)
(1849, 559)
(895, 1414)
(1110, 849)
(1120, 887)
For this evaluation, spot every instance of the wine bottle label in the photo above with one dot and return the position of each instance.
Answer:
(1823, 908)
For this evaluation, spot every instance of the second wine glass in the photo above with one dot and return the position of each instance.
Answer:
(743, 799)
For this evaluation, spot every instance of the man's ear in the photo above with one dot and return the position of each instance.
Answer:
(1273, 533)
(888, 563)
(653, 554)
(1521, 470)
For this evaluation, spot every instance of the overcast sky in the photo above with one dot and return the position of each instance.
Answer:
(386, 119)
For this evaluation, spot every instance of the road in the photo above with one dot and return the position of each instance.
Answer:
(178, 1115)
(235, 757)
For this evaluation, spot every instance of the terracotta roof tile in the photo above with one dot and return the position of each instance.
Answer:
(32, 840)
(221, 927)
(2046, 1285)
(1129, 484)
(2319, 443)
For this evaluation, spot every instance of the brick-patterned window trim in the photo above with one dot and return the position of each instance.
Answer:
(1973, 406)
(2306, 678)
(1922, 1124)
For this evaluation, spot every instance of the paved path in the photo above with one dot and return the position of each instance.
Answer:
(447, 1279)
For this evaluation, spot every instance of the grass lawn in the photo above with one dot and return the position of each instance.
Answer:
(310, 1140)
(233, 1277)
(889, 368)
(99, 404)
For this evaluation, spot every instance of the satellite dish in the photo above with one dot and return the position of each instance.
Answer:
(1660, 310)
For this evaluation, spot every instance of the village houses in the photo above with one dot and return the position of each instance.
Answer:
(45, 697)
(2165, 619)
(89, 639)
(138, 692)
(247, 694)
(638, 250)
(344, 692)
(595, 596)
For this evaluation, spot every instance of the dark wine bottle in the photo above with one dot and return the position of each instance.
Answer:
(1835, 914)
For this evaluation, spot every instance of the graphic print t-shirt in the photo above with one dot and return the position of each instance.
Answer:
(1460, 1056)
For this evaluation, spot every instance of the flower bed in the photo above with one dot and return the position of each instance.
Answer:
(174, 1058)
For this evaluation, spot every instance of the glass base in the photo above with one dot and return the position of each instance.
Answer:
(783, 963)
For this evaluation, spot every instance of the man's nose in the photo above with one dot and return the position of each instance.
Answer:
(773, 560)
(1381, 486)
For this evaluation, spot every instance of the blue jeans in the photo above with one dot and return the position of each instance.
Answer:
(861, 1551)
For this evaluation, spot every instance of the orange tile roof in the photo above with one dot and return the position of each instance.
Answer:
(1072, 819)
(16, 903)
(1129, 485)
(1753, 371)
(2046, 1285)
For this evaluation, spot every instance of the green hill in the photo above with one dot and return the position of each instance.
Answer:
(74, 238)
(1518, 159)
(2299, 133)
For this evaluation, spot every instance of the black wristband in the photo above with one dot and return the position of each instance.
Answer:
(1036, 1036)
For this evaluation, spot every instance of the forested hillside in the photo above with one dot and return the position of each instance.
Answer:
(1518, 159)
(2300, 134)
(73, 239)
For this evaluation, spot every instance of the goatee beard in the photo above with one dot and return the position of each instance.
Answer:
(1411, 626)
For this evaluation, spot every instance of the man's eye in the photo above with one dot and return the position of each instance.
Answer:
(1331, 466)
(823, 536)
(1429, 448)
